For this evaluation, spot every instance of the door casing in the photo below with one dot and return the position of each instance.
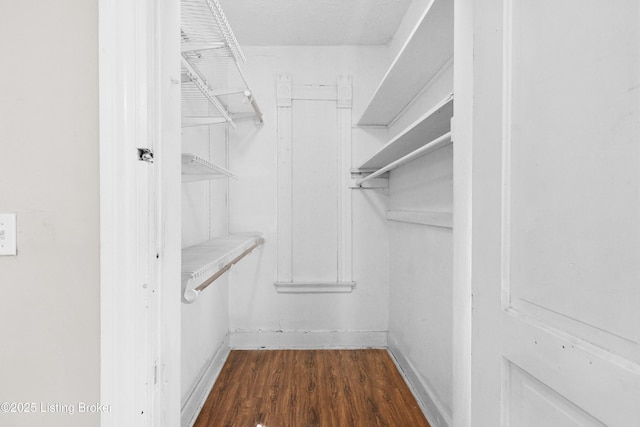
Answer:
(140, 219)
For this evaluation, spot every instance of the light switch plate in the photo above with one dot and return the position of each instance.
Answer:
(8, 235)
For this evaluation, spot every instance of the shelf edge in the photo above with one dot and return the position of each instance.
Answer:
(441, 104)
(434, 219)
(314, 287)
(405, 51)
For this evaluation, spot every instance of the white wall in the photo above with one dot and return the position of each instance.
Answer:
(256, 309)
(205, 323)
(49, 175)
(420, 305)
(421, 256)
(421, 274)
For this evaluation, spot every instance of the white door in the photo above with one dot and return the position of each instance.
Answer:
(555, 219)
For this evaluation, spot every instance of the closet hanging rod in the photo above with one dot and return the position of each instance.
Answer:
(193, 294)
(254, 105)
(188, 47)
(250, 98)
(431, 146)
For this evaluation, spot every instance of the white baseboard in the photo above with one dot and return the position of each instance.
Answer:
(200, 392)
(423, 392)
(243, 340)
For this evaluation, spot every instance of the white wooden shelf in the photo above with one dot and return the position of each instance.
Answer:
(431, 125)
(202, 261)
(314, 287)
(208, 43)
(429, 147)
(427, 51)
(435, 219)
(195, 168)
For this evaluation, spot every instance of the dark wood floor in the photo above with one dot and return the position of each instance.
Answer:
(305, 388)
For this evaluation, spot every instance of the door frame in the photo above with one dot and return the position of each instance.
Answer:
(139, 107)
(462, 131)
(119, 23)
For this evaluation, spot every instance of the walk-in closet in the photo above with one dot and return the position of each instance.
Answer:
(322, 170)
(335, 213)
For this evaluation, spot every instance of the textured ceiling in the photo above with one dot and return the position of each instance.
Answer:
(314, 22)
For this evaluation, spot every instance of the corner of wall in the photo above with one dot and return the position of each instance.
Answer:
(429, 402)
(198, 396)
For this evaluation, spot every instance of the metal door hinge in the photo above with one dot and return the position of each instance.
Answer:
(145, 154)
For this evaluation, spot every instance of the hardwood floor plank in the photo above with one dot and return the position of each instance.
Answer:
(310, 388)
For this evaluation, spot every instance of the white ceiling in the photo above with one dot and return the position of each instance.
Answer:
(314, 22)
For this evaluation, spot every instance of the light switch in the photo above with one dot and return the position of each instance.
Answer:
(8, 234)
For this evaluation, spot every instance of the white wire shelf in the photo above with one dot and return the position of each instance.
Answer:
(429, 126)
(209, 45)
(196, 89)
(203, 262)
(427, 51)
(204, 24)
(196, 168)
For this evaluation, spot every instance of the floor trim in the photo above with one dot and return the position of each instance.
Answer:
(430, 404)
(245, 340)
(200, 392)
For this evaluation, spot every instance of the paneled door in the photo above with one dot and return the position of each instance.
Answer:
(555, 218)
